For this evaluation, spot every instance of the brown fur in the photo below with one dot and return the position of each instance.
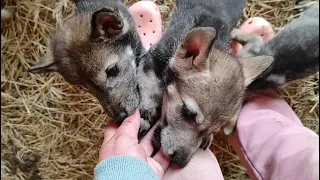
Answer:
(98, 48)
(206, 94)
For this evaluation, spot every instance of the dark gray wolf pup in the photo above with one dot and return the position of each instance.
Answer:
(295, 50)
(203, 84)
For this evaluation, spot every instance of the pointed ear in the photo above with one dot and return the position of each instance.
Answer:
(254, 66)
(45, 65)
(106, 23)
(197, 45)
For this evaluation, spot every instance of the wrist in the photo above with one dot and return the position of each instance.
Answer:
(126, 167)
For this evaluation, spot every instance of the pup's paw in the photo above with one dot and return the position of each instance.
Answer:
(206, 142)
(229, 127)
(240, 37)
(144, 128)
(235, 33)
(152, 114)
(256, 48)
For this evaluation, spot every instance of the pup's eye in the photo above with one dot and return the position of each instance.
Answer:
(187, 113)
(112, 72)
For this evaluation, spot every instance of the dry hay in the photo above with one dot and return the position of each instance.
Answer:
(52, 130)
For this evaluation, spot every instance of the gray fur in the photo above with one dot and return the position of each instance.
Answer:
(295, 50)
(187, 15)
(203, 86)
(88, 47)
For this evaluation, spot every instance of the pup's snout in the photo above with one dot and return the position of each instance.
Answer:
(179, 158)
(172, 155)
(122, 116)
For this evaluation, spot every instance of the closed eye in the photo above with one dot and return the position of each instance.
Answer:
(187, 113)
(170, 76)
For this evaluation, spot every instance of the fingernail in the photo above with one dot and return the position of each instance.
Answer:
(135, 115)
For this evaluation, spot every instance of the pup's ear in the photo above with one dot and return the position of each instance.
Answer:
(106, 23)
(45, 65)
(254, 66)
(196, 46)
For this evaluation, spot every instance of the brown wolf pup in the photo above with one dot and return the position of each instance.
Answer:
(98, 48)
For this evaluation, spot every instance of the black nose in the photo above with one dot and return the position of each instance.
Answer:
(173, 155)
(122, 116)
(179, 158)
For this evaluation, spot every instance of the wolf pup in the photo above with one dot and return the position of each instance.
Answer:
(205, 95)
(204, 84)
(98, 48)
(295, 50)
(188, 14)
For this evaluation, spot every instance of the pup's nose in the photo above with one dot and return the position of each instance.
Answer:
(179, 158)
(172, 155)
(122, 115)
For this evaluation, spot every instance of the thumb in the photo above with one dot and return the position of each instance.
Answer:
(130, 126)
(110, 130)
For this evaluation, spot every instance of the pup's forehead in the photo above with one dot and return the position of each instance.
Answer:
(180, 94)
(77, 27)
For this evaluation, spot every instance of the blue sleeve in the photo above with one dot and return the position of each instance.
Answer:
(124, 168)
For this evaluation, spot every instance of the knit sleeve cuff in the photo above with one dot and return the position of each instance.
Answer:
(124, 168)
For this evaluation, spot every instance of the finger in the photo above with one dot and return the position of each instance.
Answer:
(130, 126)
(162, 159)
(146, 141)
(110, 130)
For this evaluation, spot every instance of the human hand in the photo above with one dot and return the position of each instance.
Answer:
(124, 141)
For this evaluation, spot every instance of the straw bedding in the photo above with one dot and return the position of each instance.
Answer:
(53, 130)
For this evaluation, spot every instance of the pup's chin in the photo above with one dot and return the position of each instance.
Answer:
(180, 160)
